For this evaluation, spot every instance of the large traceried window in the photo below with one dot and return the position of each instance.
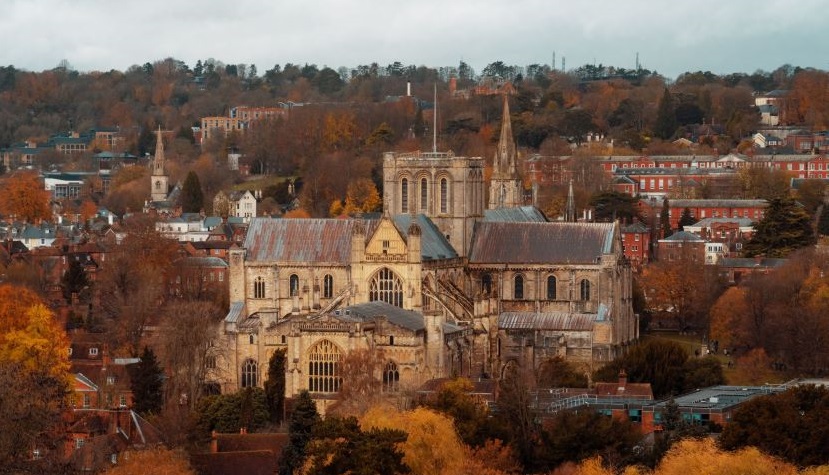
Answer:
(404, 195)
(444, 195)
(551, 287)
(584, 290)
(259, 288)
(424, 195)
(386, 287)
(327, 286)
(250, 373)
(324, 368)
(391, 377)
(518, 289)
(293, 283)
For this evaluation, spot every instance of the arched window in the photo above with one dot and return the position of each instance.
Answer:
(518, 288)
(259, 288)
(391, 377)
(551, 287)
(158, 185)
(584, 290)
(250, 373)
(293, 282)
(486, 284)
(404, 195)
(424, 195)
(324, 368)
(386, 287)
(444, 195)
(327, 286)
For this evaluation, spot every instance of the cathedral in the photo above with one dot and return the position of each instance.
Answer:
(449, 281)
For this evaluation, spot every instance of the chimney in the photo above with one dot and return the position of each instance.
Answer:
(408, 89)
(214, 442)
(623, 379)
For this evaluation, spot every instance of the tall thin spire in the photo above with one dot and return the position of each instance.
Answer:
(505, 156)
(158, 159)
(570, 212)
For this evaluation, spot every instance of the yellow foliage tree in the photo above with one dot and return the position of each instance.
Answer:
(14, 302)
(298, 213)
(361, 196)
(727, 316)
(25, 197)
(432, 447)
(703, 456)
(40, 345)
(158, 460)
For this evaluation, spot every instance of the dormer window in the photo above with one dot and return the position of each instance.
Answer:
(93, 352)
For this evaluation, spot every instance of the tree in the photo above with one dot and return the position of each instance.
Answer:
(665, 126)
(340, 446)
(557, 372)
(25, 198)
(665, 219)
(275, 386)
(192, 198)
(471, 418)
(702, 456)
(823, 221)
(685, 219)
(231, 412)
(789, 425)
(784, 228)
(147, 383)
(362, 196)
(300, 431)
(74, 280)
(361, 386)
(613, 205)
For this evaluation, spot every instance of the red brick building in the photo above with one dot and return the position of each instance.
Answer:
(701, 209)
(636, 241)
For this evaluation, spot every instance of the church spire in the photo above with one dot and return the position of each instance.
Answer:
(159, 179)
(158, 159)
(505, 187)
(570, 212)
(505, 156)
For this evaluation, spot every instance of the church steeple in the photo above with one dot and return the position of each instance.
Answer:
(505, 188)
(570, 212)
(159, 178)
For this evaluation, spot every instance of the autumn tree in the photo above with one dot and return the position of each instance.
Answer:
(703, 456)
(472, 419)
(25, 198)
(784, 228)
(147, 383)
(275, 385)
(556, 372)
(361, 385)
(361, 197)
(665, 126)
(339, 446)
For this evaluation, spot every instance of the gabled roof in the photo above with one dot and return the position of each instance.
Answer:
(540, 243)
(682, 236)
(637, 227)
(299, 240)
(520, 214)
(433, 244)
(717, 203)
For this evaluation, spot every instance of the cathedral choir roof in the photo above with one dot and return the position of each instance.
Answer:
(299, 240)
(546, 321)
(371, 310)
(520, 214)
(540, 243)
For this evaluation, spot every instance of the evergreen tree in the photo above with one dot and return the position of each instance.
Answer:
(785, 227)
(823, 221)
(419, 127)
(74, 279)
(146, 382)
(665, 125)
(192, 198)
(275, 385)
(665, 219)
(300, 430)
(686, 219)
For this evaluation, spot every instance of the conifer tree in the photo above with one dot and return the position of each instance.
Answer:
(146, 382)
(665, 219)
(275, 386)
(192, 198)
(823, 221)
(785, 227)
(301, 428)
(665, 125)
(686, 219)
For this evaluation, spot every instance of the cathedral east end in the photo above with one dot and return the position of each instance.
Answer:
(440, 285)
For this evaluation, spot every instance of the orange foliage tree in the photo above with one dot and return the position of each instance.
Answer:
(161, 460)
(25, 198)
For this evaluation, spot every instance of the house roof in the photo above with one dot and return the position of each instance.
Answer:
(682, 236)
(546, 321)
(540, 243)
(715, 203)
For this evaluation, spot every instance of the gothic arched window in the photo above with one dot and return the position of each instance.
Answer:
(324, 368)
(293, 283)
(391, 377)
(518, 288)
(551, 287)
(158, 186)
(327, 286)
(584, 290)
(386, 287)
(424, 195)
(444, 195)
(404, 195)
(259, 288)
(250, 373)
(486, 284)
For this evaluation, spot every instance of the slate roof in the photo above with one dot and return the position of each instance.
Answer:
(682, 236)
(520, 214)
(235, 313)
(540, 243)
(636, 227)
(718, 203)
(708, 222)
(752, 262)
(546, 321)
(433, 244)
(202, 261)
(369, 311)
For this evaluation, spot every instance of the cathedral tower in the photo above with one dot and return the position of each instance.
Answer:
(505, 190)
(159, 179)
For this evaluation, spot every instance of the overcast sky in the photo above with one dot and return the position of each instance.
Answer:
(670, 36)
